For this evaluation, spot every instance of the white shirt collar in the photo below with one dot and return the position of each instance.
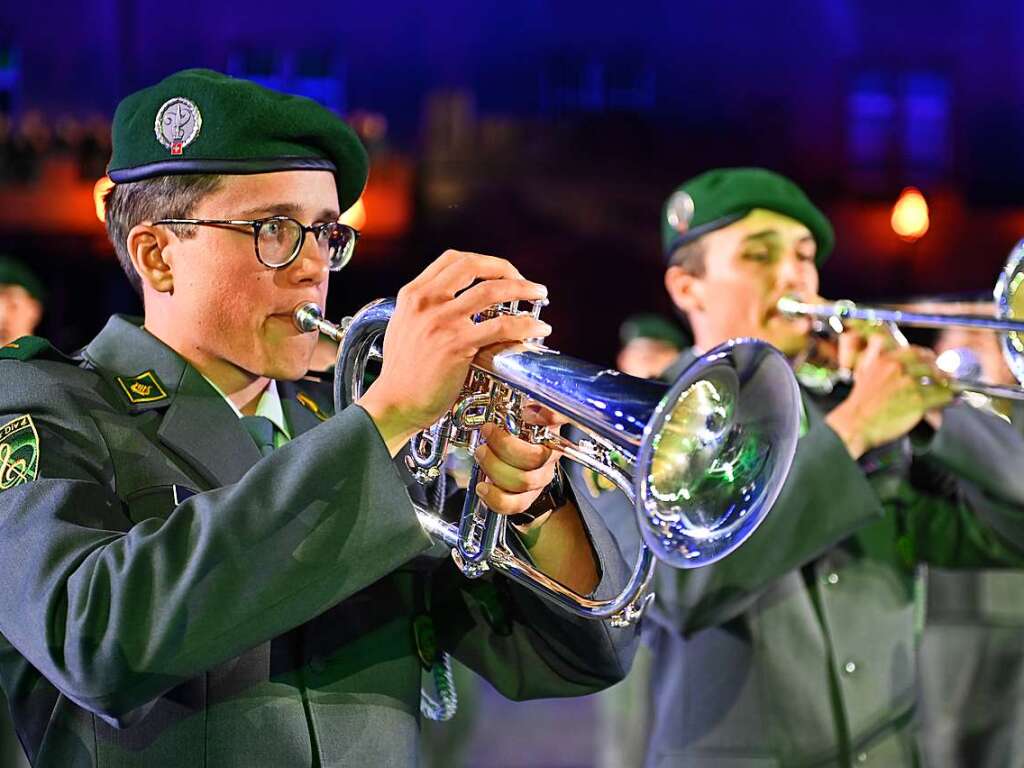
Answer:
(268, 406)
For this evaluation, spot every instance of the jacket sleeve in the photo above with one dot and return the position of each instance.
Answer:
(966, 509)
(115, 614)
(528, 647)
(826, 497)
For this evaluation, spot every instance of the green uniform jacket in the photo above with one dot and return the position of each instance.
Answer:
(266, 620)
(799, 648)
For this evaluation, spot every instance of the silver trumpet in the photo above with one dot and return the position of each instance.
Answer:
(701, 460)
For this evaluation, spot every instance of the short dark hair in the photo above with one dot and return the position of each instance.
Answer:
(690, 256)
(170, 197)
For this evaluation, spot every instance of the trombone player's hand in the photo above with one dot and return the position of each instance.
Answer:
(894, 387)
(432, 339)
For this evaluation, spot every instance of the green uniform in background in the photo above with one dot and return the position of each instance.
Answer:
(800, 648)
(169, 598)
(972, 666)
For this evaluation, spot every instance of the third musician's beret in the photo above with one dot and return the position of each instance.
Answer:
(722, 196)
(650, 326)
(201, 121)
(13, 272)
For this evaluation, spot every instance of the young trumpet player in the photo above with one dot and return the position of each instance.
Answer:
(201, 564)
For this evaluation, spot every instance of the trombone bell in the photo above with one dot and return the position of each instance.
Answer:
(1010, 306)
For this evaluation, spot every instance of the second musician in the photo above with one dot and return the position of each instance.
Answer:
(800, 648)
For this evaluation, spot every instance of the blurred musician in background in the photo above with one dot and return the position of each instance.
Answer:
(21, 300)
(649, 344)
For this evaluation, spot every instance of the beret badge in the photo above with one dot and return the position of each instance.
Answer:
(177, 124)
(679, 211)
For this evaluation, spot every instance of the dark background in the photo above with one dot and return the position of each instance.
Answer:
(550, 132)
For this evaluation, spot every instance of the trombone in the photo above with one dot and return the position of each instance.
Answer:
(701, 460)
(1009, 305)
(832, 315)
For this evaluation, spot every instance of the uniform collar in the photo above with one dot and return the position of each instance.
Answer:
(124, 353)
(198, 425)
(269, 406)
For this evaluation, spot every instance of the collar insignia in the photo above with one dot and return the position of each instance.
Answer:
(177, 124)
(144, 388)
(19, 452)
(307, 402)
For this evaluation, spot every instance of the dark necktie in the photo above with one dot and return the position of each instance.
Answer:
(261, 429)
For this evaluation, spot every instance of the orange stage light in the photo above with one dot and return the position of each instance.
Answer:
(910, 215)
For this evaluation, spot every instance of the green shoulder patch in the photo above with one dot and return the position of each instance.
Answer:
(144, 388)
(19, 452)
(26, 348)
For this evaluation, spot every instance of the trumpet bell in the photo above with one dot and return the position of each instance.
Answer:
(716, 452)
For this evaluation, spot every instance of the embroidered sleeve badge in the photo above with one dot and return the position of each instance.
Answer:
(19, 452)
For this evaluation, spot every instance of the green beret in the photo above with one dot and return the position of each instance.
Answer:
(13, 272)
(654, 327)
(722, 196)
(200, 121)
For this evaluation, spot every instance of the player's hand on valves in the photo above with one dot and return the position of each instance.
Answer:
(431, 338)
(893, 388)
(515, 471)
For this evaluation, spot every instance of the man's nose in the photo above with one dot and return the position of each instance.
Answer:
(310, 266)
(796, 274)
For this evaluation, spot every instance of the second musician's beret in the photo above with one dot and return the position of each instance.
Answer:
(201, 121)
(718, 198)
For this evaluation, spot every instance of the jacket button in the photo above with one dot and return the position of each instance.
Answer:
(832, 578)
(850, 667)
(862, 757)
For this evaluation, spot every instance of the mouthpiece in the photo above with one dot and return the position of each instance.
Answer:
(309, 317)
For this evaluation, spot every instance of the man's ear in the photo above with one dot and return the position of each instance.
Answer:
(685, 290)
(146, 246)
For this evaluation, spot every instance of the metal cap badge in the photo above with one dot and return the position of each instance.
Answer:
(177, 124)
(679, 211)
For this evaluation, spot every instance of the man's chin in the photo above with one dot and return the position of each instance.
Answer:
(290, 370)
(281, 367)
